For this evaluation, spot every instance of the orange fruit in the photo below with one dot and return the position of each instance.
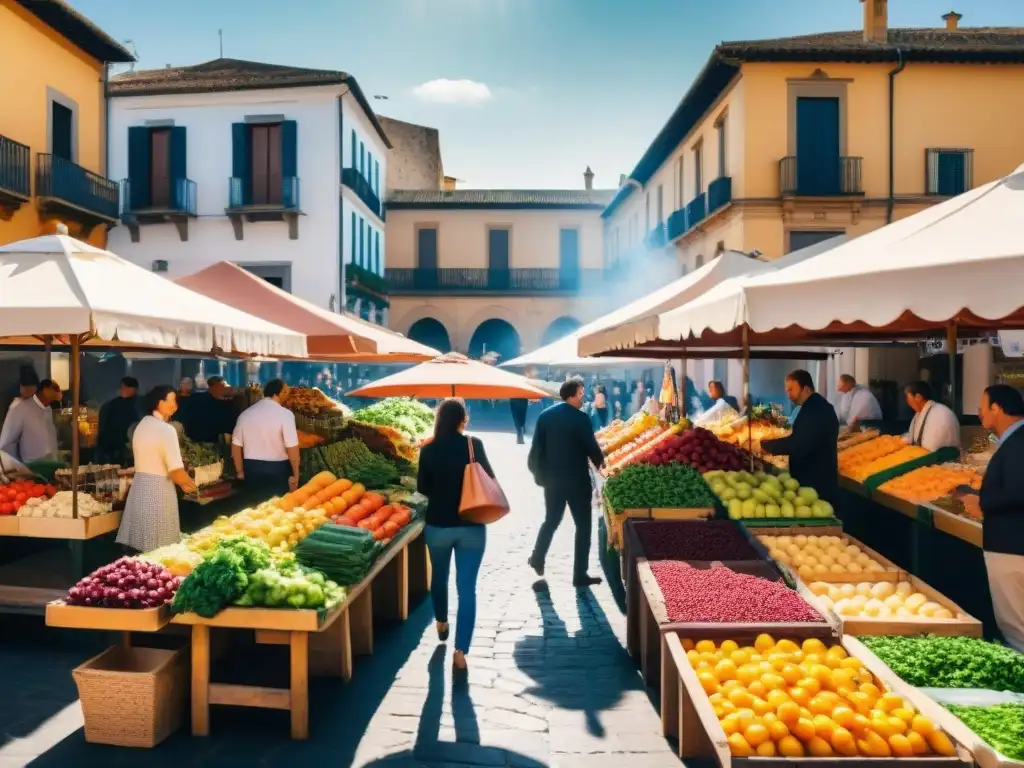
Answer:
(800, 695)
(728, 646)
(756, 734)
(903, 714)
(900, 745)
(803, 729)
(790, 746)
(843, 716)
(940, 742)
(757, 689)
(707, 682)
(777, 698)
(741, 698)
(767, 749)
(762, 707)
(917, 743)
(687, 644)
(824, 726)
(778, 730)
(725, 670)
(730, 724)
(764, 642)
(746, 718)
(788, 712)
(922, 725)
(819, 747)
(739, 746)
(843, 743)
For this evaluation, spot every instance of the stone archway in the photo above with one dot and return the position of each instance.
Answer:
(431, 332)
(495, 335)
(559, 328)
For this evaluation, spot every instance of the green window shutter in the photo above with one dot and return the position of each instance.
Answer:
(362, 240)
(138, 167)
(376, 179)
(289, 162)
(178, 166)
(353, 148)
(369, 164)
(376, 255)
(355, 235)
(241, 160)
(362, 158)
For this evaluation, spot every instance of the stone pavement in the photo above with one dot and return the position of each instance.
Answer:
(550, 683)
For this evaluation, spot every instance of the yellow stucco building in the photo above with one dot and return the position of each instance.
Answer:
(782, 143)
(53, 122)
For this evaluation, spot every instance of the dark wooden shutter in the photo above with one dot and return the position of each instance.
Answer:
(426, 248)
(138, 167)
(289, 160)
(499, 276)
(179, 167)
(241, 161)
(951, 173)
(817, 146)
(353, 148)
(376, 253)
(160, 168)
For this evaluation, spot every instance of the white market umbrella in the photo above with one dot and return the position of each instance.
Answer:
(959, 261)
(55, 285)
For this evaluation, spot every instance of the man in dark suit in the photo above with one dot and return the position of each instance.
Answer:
(519, 406)
(1002, 504)
(563, 448)
(811, 447)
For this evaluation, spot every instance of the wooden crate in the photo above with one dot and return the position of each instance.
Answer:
(795, 530)
(688, 715)
(957, 525)
(967, 626)
(895, 503)
(68, 528)
(615, 520)
(60, 614)
(652, 618)
(891, 573)
(9, 525)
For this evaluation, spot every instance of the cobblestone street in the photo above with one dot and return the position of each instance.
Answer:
(550, 683)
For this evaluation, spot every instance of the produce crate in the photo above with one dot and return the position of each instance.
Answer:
(133, 697)
(895, 503)
(652, 620)
(615, 520)
(967, 625)
(892, 573)
(756, 529)
(9, 525)
(690, 718)
(68, 528)
(60, 614)
(955, 525)
(792, 522)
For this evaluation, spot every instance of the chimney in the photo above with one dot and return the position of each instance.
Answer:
(448, 184)
(622, 179)
(876, 21)
(952, 20)
(588, 179)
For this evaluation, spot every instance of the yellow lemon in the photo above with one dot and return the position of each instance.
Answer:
(843, 742)
(922, 725)
(767, 749)
(725, 670)
(764, 642)
(705, 646)
(739, 746)
(756, 734)
(728, 646)
(900, 745)
(813, 645)
(803, 729)
(778, 730)
(730, 724)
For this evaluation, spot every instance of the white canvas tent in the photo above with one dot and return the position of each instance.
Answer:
(566, 351)
(57, 286)
(961, 262)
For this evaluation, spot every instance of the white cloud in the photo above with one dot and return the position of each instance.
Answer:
(445, 91)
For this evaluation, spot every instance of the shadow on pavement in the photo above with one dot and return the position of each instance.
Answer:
(587, 670)
(339, 713)
(610, 565)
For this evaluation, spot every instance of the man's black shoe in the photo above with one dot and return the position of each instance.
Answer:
(537, 567)
(586, 581)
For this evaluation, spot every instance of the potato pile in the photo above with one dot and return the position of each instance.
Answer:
(880, 600)
(821, 557)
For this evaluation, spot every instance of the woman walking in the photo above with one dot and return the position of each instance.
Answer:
(601, 406)
(442, 465)
(150, 517)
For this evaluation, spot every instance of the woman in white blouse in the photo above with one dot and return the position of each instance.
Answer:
(150, 517)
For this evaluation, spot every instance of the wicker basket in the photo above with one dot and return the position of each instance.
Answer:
(133, 697)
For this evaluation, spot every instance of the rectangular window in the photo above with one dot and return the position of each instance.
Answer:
(267, 185)
(680, 189)
(498, 249)
(569, 251)
(362, 158)
(376, 254)
(353, 156)
(160, 167)
(355, 241)
(661, 204)
(950, 171)
(426, 248)
(723, 166)
(376, 178)
(698, 169)
(62, 131)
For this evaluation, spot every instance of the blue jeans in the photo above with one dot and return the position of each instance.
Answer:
(467, 542)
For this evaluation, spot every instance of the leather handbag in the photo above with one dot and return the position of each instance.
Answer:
(483, 502)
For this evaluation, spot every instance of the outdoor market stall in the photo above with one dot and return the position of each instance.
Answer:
(63, 292)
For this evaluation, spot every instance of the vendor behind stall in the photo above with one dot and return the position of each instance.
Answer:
(811, 447)
(934, 425)
(265, 445)
(716, 391)
(29, 433)
(856, 403)
(116, 417)
(150, 517)
(210, 415)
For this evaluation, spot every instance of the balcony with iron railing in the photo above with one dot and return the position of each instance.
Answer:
(15, 173)
(355, 181)
(835, 177)
(525, 280)
(75, 191)
(719, 193)
(677, 224)
(277, 205)
(139, 207)
(696, 210)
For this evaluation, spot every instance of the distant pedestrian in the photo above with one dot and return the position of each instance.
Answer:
(519, 406)
(563, 448)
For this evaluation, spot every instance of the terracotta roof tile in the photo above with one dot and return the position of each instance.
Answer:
(501, 198)
(220, 75)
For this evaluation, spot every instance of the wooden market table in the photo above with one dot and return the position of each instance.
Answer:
(321, 643)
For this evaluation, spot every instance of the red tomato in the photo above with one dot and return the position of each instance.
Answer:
(7, 509)
(51, 491)
(20, 499)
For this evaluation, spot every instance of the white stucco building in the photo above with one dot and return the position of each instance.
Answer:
(279, 169)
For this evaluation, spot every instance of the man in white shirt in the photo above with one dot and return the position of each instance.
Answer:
(265, 445)
(856, 403)
(29, 432)
(934, 425)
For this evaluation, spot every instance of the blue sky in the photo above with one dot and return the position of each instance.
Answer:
(554, 85)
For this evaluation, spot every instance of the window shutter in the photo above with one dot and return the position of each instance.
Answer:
(951, 173)
(138, 167)
(368, 173)
(353, 164)
(376, 178)
(289, 150)
(241, 159)
(376, 254)
(178, 166)
(355, 235)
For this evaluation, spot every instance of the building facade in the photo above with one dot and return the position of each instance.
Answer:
(53, 124)
(496, 271)
(782, 143)
(277, 169)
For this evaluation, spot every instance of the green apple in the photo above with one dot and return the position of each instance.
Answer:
(727, 494)
(807, 495)
(743, 491)
(803, 511)
(790, 484)
(761, 496)
(787, 509)
(818, 509)
(748, 506)
(789, 495)
(772, 511)
(760, 510)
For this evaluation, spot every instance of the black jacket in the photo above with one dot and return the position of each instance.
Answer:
(563, 447)
(1002, 498)
(812, 451)
(442, 466)
(116, 416)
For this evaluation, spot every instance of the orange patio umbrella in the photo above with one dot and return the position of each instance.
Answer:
(330, 336)
(452, 375)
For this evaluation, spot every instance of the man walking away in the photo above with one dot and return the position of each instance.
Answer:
(563, 448)
(519, 406)
(265, 445)
(1002, 504)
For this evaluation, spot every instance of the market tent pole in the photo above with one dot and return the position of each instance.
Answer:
(76, 350)
(682, 386)
(951, 334)
(746, 397)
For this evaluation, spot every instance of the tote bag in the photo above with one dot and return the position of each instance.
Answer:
(482, 501)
